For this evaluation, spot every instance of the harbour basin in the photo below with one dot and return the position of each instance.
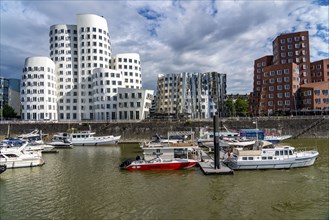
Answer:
(86, 183)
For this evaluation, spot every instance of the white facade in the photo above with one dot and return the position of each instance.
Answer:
(134, 104)
(38, 89)
(87, 78)
(130, 66)
(64, 52)
(106, 83)
(94, 52)
(77, 50)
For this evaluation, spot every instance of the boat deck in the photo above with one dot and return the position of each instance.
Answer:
(207, 166)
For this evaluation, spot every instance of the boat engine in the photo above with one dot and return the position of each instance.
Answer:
(126, 163)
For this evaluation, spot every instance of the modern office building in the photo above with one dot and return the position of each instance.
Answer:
(77, 50)
(130, 66)
(199, 95)
(38, 89)
(10, 93)
(294, 48)
(134, 104)
(320, 70)
(88, 76)
(278, 77)
(287, 81)
(315, 97)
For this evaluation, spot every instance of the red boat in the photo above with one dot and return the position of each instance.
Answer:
(158, 164)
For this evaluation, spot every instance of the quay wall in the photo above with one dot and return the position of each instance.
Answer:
(140, 131)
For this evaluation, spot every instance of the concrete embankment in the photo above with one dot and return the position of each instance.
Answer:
(302, 127)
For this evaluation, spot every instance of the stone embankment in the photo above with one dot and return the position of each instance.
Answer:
(300, 127)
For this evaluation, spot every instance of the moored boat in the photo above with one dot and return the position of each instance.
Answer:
(268, 156)
(83, 138)
(19, 158)
(61, 141)
(158, 164)
(166, 155)
(275, 138)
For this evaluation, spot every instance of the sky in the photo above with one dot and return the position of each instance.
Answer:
(171, 36)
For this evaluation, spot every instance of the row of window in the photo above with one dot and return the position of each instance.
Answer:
(325, 100)
(93, 29)
(279, 103)
(324, 92)
(279, 95)
(62, 31)
(37, 68)
(37, 91)
(290, 39)
(125, 60)
(38, 107)
(37, 99)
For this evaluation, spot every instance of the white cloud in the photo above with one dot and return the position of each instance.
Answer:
(170, 36)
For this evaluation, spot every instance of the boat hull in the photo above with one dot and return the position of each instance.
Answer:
(274, 164)
(11, 164)
(95, 141)
(162, 166)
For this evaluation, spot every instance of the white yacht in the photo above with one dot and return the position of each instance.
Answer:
(18, 158)
(268, 156)
(83, 138)
(61, 141)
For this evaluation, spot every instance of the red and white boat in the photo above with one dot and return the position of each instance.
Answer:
(158, 164)
(166, 156)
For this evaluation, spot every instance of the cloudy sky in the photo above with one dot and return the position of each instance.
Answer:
(171, 36)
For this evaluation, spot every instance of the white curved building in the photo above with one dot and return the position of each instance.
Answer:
(77, 50)
(130, 66)
(86, 76)
(38, 89)
(106, 83)
(64, 52)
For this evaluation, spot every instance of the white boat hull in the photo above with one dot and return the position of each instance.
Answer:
(272, 164)
(92, 141)
(21, 163)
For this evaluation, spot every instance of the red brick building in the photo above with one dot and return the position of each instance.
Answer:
(315, 97)
(278, 78)
(320, 70)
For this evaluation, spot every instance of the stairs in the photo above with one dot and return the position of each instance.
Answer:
(308, 127)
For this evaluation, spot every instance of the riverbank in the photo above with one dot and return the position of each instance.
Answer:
(299, 127)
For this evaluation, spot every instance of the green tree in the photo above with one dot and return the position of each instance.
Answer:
(230, 107)
(8, 112)
(241, 106)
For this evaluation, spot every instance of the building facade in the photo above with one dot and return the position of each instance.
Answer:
(88, 76)
(130, 66)
(320, 70)
(199, 95)
(38, 89)
(279, 77)
(315, 97)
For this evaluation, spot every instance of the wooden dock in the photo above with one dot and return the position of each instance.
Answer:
(207, 166)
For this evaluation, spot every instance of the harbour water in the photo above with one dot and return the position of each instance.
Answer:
(86, 183)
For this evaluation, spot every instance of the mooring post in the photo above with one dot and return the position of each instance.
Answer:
(216, 141)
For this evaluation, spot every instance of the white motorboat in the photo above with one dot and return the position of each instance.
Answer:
(207, 137)
(31, 146)
(19, 158)
(268, 156)
(83, 138)
(275, 138)
(61, 141)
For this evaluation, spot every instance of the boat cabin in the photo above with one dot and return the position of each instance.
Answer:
(252, 134)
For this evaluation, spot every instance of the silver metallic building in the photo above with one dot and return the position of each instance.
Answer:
(199, 95)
